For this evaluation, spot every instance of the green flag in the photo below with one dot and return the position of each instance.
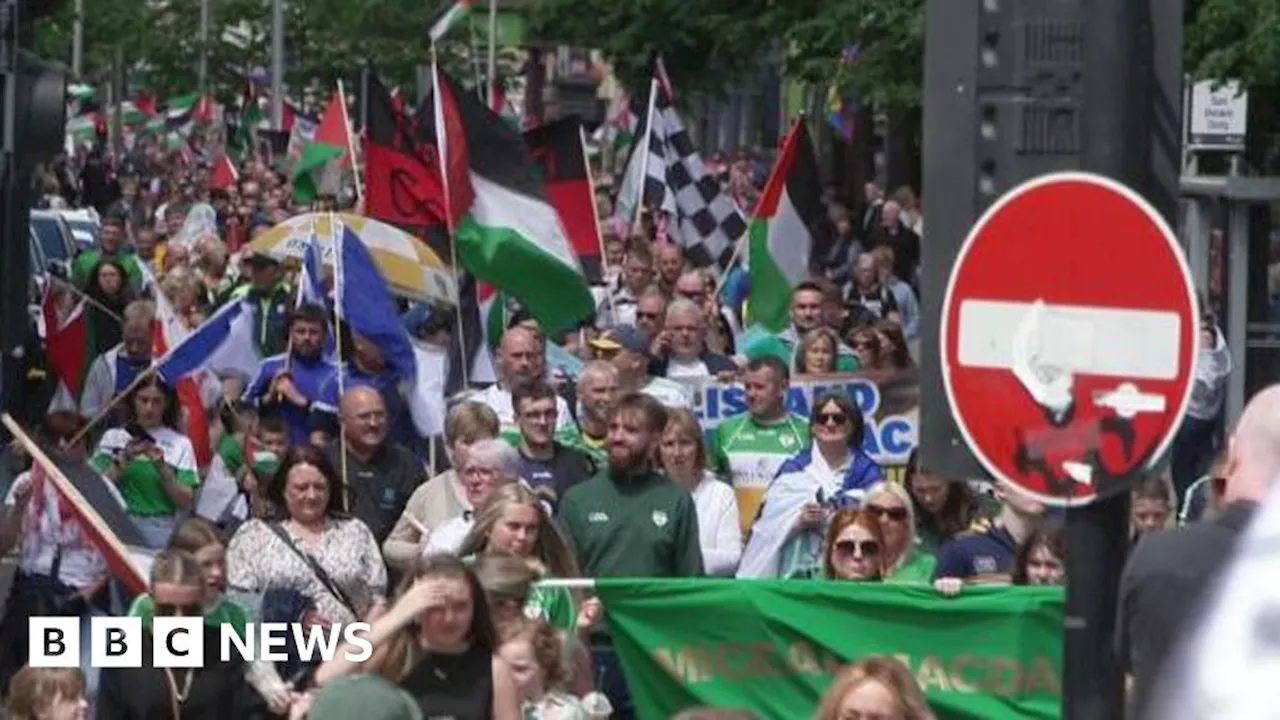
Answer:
(773, 646)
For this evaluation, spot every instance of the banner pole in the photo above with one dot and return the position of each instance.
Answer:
(336, 241)
(115, 400)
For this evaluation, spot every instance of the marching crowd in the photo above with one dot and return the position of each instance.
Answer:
(458, 558)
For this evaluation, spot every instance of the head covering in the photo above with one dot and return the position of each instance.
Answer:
(368, 697)
(623, 337)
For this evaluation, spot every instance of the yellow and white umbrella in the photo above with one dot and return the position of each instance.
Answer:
(411, 269)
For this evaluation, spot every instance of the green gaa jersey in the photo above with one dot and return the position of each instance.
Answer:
(596, 449)
(748, 454)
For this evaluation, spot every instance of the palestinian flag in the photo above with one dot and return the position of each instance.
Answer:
(448, 17)
(557, 150)
(320, 169)
(83, 496)
(66, 340)
(506, 231)
(785, 229)
(180, 117)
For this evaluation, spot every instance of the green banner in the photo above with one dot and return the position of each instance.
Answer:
(773, 646)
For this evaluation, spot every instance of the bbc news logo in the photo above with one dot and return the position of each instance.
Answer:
(178, 642)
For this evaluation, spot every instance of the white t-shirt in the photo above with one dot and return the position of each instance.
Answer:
(81, 563)
(686, 369)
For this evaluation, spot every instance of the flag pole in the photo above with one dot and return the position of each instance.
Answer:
(337, 238)
(591, 183)
(442, 135)
(492, 79)
(85, 297)
(351, 148)
(644, 159)
(744, 242)
(111, 404)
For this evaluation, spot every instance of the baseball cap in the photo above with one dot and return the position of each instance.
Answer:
(368, 697)
(623, 337)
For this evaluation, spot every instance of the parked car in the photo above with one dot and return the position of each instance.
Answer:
(57, 243)
(85, 226)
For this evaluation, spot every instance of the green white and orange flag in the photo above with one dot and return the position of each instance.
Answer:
(325, 160)
(784, 230)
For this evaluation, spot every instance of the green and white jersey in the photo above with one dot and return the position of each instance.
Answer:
(747, 454)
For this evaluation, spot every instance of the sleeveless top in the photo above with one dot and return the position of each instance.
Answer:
(453, 687)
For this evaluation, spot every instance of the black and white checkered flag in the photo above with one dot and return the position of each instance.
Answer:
(676, 180)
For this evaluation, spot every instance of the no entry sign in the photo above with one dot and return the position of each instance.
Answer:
(1069, 331)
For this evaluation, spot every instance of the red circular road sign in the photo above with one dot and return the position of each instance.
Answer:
(1069, 335)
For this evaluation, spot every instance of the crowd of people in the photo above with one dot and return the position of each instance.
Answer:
(544, 477)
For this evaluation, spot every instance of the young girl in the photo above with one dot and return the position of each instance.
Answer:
(437, 642)
(532, 649)
(47, 694)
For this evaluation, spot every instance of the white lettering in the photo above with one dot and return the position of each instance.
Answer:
(244, 645)
(306, 640)
(357, 634)
(274, 635)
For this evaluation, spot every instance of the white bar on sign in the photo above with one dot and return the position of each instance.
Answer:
(1088, 340)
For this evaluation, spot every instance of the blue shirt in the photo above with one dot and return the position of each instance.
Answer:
(401, 429)
(308, 377)
(989, 551)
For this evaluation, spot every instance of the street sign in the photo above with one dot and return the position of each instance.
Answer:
(1217, 118)
(1069, 331)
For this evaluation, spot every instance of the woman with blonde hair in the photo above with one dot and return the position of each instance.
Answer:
(905, 560)
(515, 521)
(684, 457)
(875, 687)
(816, 354)
(45, 693)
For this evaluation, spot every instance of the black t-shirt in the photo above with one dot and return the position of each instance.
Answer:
(218, 690)
(1161, 591)
(459, 687)
(379, 489)
(566, 468)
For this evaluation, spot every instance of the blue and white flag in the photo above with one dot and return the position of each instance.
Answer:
(363, 300)
(223, 345)
(311, 289)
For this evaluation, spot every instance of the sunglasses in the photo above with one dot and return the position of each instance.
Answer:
(858, 548)
(174, 610)
(897, 514)
(831, 418)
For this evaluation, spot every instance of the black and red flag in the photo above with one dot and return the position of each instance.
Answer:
(557, 150)
(402, 179)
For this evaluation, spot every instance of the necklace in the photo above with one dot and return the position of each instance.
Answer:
(178, 698)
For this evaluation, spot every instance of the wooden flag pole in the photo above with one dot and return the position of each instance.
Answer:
(86, 297)
(137, 581)
(115, 400)
(351, 149)
(644, 159)
(591, 183)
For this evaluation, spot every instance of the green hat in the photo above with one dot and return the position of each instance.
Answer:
(368, 697)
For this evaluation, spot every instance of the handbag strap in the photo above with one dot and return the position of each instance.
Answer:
(315, 567)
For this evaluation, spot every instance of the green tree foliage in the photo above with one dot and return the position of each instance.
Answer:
(705, 44)
(889, 72)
